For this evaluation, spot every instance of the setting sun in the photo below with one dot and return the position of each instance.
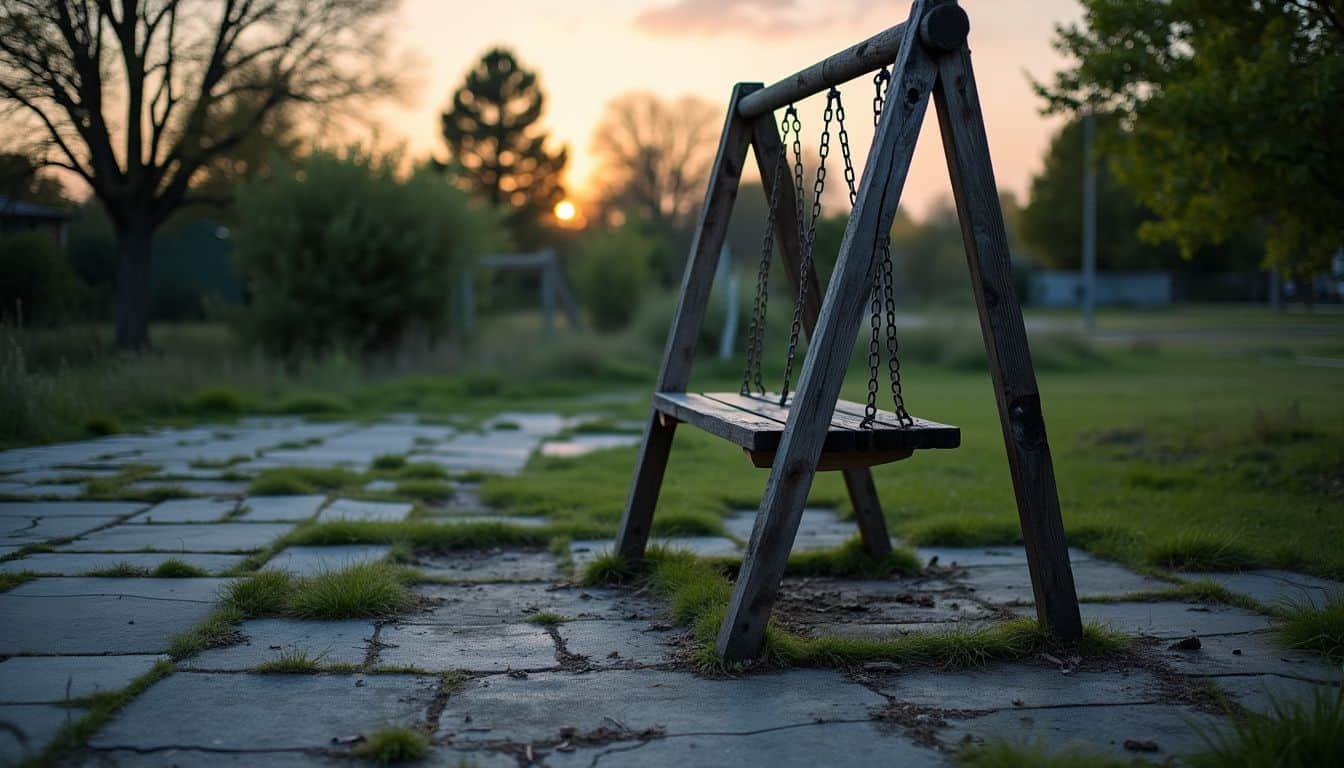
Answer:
(565, 211)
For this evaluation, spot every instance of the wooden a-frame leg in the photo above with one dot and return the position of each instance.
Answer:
(696, 283)
(770, 160)
(743, 630)
(967, 149)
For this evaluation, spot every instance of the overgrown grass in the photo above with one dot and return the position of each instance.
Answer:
(429, 535)
(119, 571)
(1292, 735)
(173, 568)
(850, 560)
(291, 661)
(364, 590)
(546, 619)
(393, 744)
(1303, 625)
(389, 461)
(284, 481)
(698, 592)
(1201, 551)
(218, 629)
(423, 489)
(1203, 590)
(1007, 754)
(10, 580)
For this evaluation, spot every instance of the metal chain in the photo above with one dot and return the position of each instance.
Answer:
(756, 333)
(893, 348)
(805, 267)
(875, 338)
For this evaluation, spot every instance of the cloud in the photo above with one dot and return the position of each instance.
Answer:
(746, 18)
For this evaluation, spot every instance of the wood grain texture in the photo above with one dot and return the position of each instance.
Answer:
(743, 630)
(962, 125)
(769, 151)
(678, 355)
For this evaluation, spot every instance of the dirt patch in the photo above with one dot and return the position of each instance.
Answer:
(922, 723)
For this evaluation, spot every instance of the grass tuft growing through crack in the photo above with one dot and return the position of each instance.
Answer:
(9, 581)
(1292, 734)
(102, 706)
(546, 619)
(1006, 754)
(364, 590)
(173, 568)
(698, 591)
(295, 661)
(1305, 626)
(393, 744)
(1201, 551)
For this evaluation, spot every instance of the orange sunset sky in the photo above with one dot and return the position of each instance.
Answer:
(588, 51)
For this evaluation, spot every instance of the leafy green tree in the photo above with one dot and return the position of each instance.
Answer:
(1230, 112)
(497, 150)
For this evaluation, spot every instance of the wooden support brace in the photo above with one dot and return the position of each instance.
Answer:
(678, 355)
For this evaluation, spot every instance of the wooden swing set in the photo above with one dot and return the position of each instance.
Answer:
(800, 433)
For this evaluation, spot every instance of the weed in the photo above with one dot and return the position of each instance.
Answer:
(295, 661)
(264, 593)
(120, 571)
(218, 629)
(1201, 551)
(546, 619)
(294, 481)
(1303, 625)
(389, 461)
(424, 490)
(422, 470)
(1006, 754)
(173, 568)
(1294, 734)
(358, 591)
(393, 744)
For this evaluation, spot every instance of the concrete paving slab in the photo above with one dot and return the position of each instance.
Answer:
(484, 604)
(49, 509)
(620, 643)
(278, 509)
(1011, 584)
(496, 648)
(816, 522)
(187, 511)
(232, 488)
(1275, 588)
(48, 679)
(491, 565)
(43, 490)
(584, 551)
(83, 563)
(1174, 729)
(94, 616)
(16, 530)
(1257, 653)
(197, 758)
(306, 561)
(804, 746)
(586, 443)
(229, 711)
(974, 557)
(518, 520)
(26, 729)
(350, 509)
(1003, 685)
(539, 706)
(1263, 693)
(201, 537)
(1170, 619)
(328, 642)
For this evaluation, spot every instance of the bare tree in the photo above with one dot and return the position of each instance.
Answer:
(656, 155)
(136, 97)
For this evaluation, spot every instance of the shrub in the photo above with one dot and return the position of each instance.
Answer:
(342, 255)
(37, 283)
(613, 271)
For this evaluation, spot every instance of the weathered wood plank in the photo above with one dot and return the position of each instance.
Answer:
(771, 161)
(967, 148)
(884, 175)
(848, 420)
(754, 433)
(696, 283)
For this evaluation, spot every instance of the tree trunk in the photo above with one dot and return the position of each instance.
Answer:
(133, 248)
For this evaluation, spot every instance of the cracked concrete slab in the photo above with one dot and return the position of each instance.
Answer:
(49, 679)
(307, 561)
(620, 643)
(26, 729)
(1263, 693)
(229, 711)
(365, 511)
(199, 758)
(195, 537)
(15, 530)
(1175, 730)
(187, 511)
(1171, 619)
(1255, 653)
(1011, 584)
(491, 565)
(482, 604)
(496, 648)
(974, 557)
(538, 707)
(326, 642)
(1274, 588)
(84, 563)
(94, 615)
(800, 746)
(1009, 686)
(280, 509)
(34, 509)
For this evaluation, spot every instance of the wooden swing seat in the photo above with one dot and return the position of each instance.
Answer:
(756, 423)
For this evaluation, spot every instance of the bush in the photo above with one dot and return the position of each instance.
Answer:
(37, 284)
(614, 271)
(343, 256)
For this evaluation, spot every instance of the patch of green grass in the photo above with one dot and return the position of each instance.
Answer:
(1293, 735)
(9, 581)
(851, 561)
(121, 570)
(424, 490)
(1203, 590)
(1007, 754)
(102, 425)
(964, 532)
(219, 401)
(312, 405)
(429, 535)
(218, 629)
(422, 470)
(506, 426)
(294, 481)
(218, 463)
(687, 523)
(389, 461)
(1201, 551)
(118, 486)
(1303, 625)
(173, 568)
(264, 593)
(75, 733)
(296, 661)
(364, 590)
(546, 619)
(393, 744)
